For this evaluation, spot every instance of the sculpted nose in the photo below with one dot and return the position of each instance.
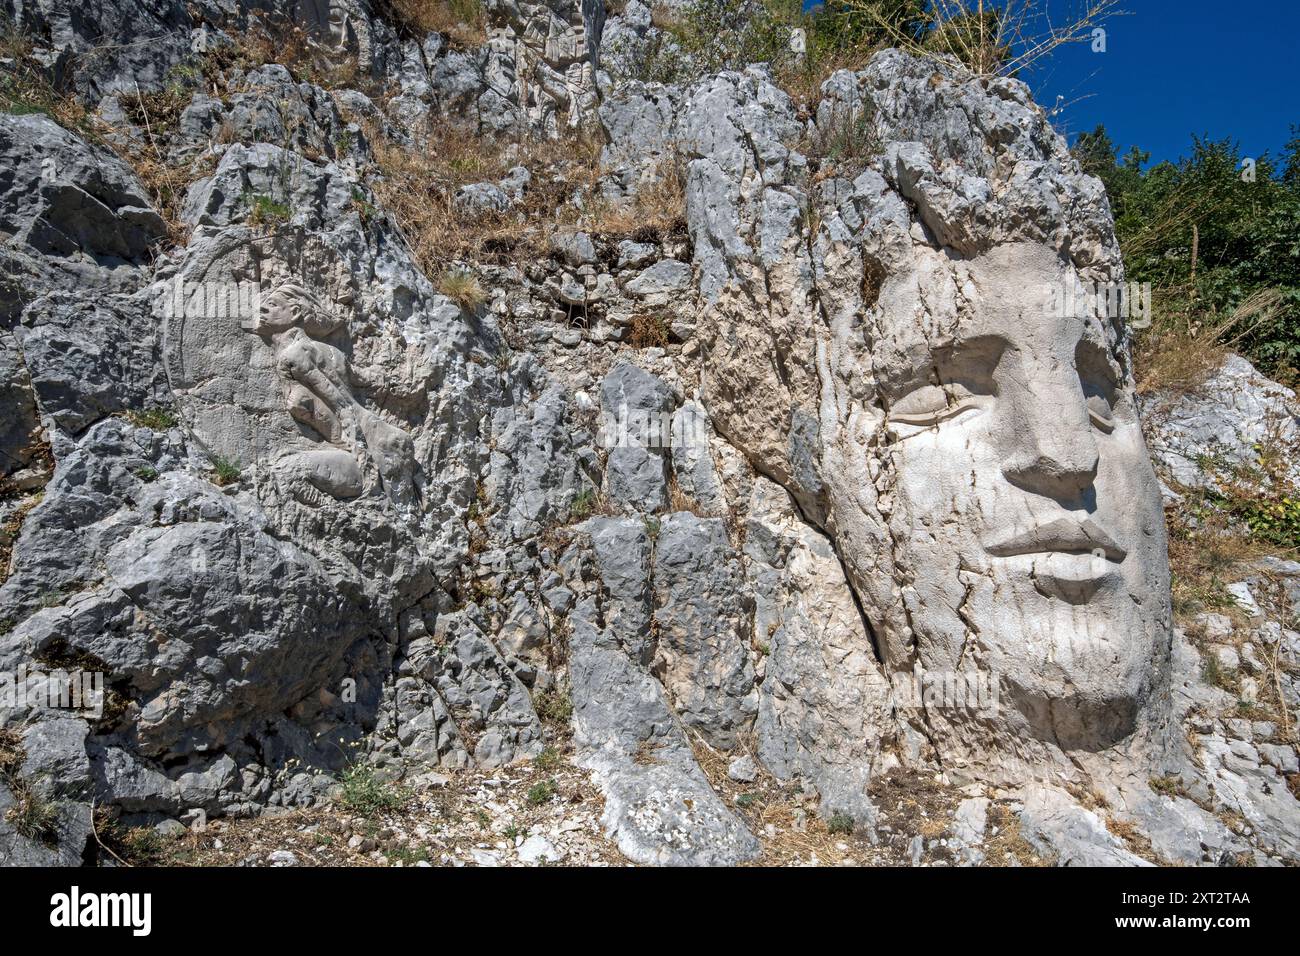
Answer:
(1051, 446)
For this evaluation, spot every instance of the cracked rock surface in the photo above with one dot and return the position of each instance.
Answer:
(801, 514)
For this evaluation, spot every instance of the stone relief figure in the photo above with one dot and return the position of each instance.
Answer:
(972, 450)
(549, 53)
(317, 396)
(330, 21)
(1010, 482)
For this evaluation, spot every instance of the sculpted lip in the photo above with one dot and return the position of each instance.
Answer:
(1066, 535)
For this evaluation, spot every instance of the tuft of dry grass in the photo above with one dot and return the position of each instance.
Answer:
(419, 187)
(463, 288)
(31, 815)
(647, 330)
(1003, 39)
(463, 22)
(657, 211)
(1185, 346)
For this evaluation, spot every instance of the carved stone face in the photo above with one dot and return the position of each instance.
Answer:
(1025, 515)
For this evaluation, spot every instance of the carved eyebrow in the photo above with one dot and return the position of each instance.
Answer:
(968, 361)
(1093, 356)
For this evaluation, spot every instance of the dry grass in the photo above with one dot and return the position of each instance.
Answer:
(11, 529)
(647, 330)
(419, 187)
(25, 85)
(995, 39)
(32, 816)
(1133, 838)
(432, 826)
(463, 288)
(1005, 845)
(679, 500)
(657, 211)
(1205, 557)
(272, 39)
(463, 22)
(1177, 354)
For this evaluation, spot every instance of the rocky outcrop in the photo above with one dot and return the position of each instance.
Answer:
(808, 487)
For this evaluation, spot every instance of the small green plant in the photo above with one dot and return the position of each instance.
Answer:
(266, 211)
(584, 503)
(1169, 786)
(554, 706)
(366, 794)
(225, 471)
(548, 759)
(1216, 675)
(146, 473)
(513, 832)
(462, 288)
(407, 855)
(652, 527)
(156, 417)
(484, 818)
(365, 208)
(840, 823)
(539, 793)
(747, 800)
(1276, 521)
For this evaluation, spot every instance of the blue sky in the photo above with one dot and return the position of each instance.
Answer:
(1174, 68)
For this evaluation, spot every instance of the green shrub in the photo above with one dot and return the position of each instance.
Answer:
(365, 794)
(539, 793)
(156, 417)
(265, 211)
(840, 823)
(224, 471)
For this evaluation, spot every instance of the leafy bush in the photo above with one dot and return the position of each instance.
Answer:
(539, 793)
(1222, 253)
(224, 471)
(365, 794)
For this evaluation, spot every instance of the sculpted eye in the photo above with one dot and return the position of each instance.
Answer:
(931, 404)
(1101, 413)
(1098, 381)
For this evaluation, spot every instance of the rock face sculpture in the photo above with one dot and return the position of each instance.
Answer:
(545, 55)
(971, 448)
(877, 500)
(317, 395)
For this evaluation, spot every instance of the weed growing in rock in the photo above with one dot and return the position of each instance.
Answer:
(365, 793)
(463, 288)
(224, 471)
(156, 417)
(541, 792)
